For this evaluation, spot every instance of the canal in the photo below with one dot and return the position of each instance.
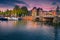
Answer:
(28, 30)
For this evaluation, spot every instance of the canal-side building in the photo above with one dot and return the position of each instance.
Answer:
(34, 12)
(57, 17)
(37, 13)
(54, 12)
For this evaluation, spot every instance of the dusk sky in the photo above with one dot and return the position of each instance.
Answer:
(45, 4)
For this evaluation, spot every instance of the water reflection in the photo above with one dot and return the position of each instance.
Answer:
(28, 30)
(57, 32)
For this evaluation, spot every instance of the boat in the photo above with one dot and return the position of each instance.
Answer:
(3, 19)
(20, 18)
(13, 18)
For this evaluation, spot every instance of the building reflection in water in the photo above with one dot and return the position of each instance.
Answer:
(35, 28)
(31, 25)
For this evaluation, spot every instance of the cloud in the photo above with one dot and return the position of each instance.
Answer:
(45, 4)
(11, 2)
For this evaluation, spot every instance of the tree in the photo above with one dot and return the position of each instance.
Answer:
(16, 10)
(24, 11)
(16, 7)
(0, 13)
(7, 13)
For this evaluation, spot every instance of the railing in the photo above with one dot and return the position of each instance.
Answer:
(48, 16)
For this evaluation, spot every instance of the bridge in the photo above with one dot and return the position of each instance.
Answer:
(46, 18)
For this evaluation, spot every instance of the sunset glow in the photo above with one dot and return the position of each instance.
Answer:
(45, 4)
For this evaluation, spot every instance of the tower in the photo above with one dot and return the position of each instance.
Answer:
(39, 11)
(34, 11)
(57, 10)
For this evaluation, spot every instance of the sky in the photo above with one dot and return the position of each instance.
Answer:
(45, 4)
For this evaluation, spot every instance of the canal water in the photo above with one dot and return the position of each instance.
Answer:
(28, 30)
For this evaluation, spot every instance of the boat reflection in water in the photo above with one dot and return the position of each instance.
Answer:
(27, 30)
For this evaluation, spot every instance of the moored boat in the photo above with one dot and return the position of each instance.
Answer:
(13, 18)
(3, 19)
